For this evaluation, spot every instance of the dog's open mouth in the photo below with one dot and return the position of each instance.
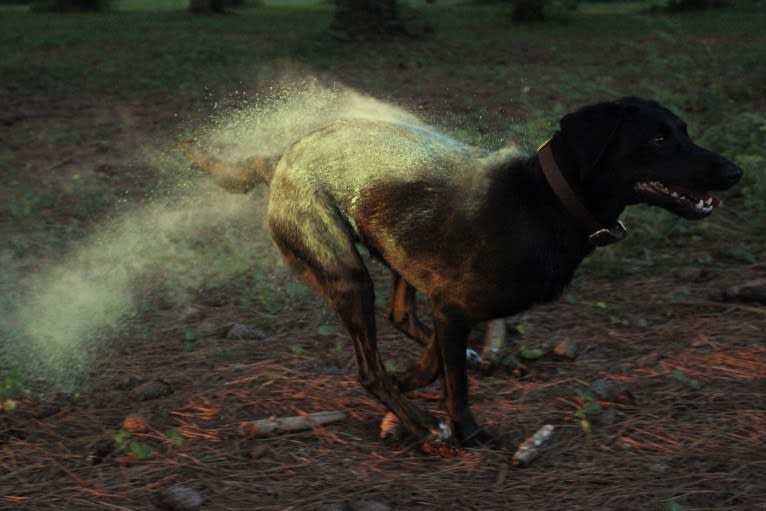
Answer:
(684, 202)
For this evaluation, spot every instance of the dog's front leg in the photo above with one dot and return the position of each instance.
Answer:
(452, 340)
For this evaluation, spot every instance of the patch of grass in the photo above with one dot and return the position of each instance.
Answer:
(269, 292)
(484, 80)
(601, 8)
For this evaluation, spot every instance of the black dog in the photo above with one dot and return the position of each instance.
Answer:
(483, 235)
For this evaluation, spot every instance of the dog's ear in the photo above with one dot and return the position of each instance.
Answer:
(588, 132)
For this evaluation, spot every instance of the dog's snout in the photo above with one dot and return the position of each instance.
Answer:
(730, 174)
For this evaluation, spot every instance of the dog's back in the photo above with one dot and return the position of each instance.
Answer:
(357, 153)
(387, 180)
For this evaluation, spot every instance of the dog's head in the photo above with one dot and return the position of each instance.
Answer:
(634, 150)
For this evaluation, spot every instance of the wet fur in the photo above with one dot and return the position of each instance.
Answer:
(481, 234)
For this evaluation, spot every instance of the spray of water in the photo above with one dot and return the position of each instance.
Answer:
(194, 236)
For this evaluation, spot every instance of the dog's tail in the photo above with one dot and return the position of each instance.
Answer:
(235, 176)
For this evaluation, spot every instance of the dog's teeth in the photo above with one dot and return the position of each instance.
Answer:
(709, 201)
(700, 204)
(674, 194)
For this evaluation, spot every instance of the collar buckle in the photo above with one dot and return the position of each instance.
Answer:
(604, 237)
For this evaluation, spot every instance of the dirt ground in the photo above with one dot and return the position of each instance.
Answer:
(679, 377)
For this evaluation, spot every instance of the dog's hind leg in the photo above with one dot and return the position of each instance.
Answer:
(318, 244)
(401, 312)
(424, 372)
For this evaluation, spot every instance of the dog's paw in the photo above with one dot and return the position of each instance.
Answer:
(473, 359)
(439, 442)
(441, 433)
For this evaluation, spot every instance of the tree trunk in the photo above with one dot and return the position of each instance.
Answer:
(366, 19)
(76, 5)
(693, 5)
(206, 6)
(527, 10)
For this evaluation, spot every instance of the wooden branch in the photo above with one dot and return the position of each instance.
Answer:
(495, 342)
(279, 425)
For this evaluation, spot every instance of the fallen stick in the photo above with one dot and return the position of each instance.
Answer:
(495, 342)
(279, 425)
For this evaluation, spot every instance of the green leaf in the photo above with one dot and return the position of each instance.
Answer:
(587, 395)
(592, 408)
(531, 353)
(325, 330)
(120, 438)
(672, 505)
(391, 365)
(297, 350)
(680, 376)
(173, 435)
(140, 450)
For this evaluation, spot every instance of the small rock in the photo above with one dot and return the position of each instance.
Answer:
(608, 417)
(608, 391)
(367, 505)
(647, 360)
(332, 506)
(625, 398)
(191, 314)
(152, 390)
(240, 331)
(100, 450)
(601, 389)
(214, 300)
(209, 329)
(135, 423)
(750, 291)
(693, 274)
(259, 451)
(638, 321)
(180, 498)
(53, 406)
(46, 409)
(162, 301)
(567, 349)
(130, 381)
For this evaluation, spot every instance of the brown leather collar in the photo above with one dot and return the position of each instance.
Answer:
(597, 235)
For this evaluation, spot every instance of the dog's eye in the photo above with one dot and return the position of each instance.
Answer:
(658, 140)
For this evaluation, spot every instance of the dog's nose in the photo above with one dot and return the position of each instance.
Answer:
(730, 174)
